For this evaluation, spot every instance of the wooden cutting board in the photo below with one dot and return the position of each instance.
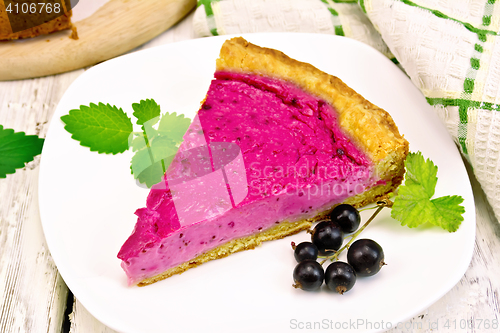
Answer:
(115, 28)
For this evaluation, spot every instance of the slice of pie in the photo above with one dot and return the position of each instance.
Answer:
(34, 18)
(275, 145)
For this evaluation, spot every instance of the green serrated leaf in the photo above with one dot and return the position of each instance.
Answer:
(411, 206)
(152, 175)
(141, 160)
(146, 111)
(421, 171)
(162, 148)
(151, 161)
(138, 143)
(17, 149)
(173, 126)
(149, 164)
(448, 212)
(102, 128)
(445, 212)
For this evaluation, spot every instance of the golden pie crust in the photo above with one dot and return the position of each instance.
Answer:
(369, 126)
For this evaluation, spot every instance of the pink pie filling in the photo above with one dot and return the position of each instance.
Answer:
(260, 151)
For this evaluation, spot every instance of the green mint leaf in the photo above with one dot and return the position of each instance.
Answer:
(413, 205)
(139, 140)
(17, 149)
(173, 126)
(141, 160)
(138, 143)
(421, 171)
(448, 212)
(145, 111)
(150, 163)
(155, 149)
(102, 128)
(163, 148)
(152, 175)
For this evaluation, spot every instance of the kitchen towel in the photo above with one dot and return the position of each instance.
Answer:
(449, 48)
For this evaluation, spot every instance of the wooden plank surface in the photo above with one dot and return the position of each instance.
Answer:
(33, 296)
(115, 28)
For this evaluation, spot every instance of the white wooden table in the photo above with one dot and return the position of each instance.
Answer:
(34, 298)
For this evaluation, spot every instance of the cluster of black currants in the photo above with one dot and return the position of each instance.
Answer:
(364, 257)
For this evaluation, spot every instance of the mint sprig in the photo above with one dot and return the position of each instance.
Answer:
(155, 149)
(17, 149)
(102, 127)
(173, 126)
(107, 129)
(414, 206)
(150, 163)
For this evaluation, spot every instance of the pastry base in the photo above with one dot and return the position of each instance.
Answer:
(279, 231)
(236, 245)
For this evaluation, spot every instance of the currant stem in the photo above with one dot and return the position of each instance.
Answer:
(148, 144)
(368, 208)
(381, 204)
(325, 258)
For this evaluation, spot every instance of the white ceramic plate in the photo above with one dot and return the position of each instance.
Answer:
(87, 204)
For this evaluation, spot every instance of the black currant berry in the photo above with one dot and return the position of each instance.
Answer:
(327, 236)
(305, 250)
(366, 257)
(340, 277)
(308, 275)
(347, 217)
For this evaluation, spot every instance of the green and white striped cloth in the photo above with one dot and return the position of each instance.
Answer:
(449, 48)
